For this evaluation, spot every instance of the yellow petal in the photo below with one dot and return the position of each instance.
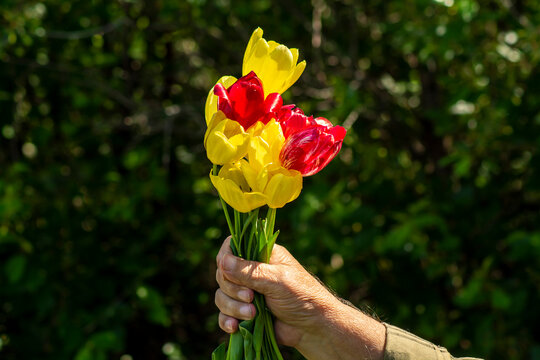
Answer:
(231, 192)
(295, 75)
(256, 178)
(257, 59)
(255, 129)
(217, 118)
(276, 70)
(284, 186)
(265, 145)
(219, 150)
(211, 100)
(225, 141)
(272, 45)
(272, 133)
(295, 54)
(259, 152)
(255, 36)
(282, 57)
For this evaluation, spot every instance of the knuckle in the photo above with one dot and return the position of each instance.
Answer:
(288, 277)
(256, 271)
(217, 298)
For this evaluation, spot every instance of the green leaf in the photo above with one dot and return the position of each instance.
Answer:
(220, 353)
(15, 268)
(270, 245)
(246, 328)
(236, 346)
(258, 333)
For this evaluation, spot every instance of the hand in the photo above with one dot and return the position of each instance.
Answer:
(308, 316)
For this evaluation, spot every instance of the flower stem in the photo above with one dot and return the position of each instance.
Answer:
(249, 251)
(271, 219)
(272, 336)
(237, 227)
(234, 243)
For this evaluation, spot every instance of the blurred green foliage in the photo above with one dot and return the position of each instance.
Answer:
(109, 226)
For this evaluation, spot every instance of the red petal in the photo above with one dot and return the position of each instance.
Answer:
(224, 104)
(247, 99)
(273, 103)
(338, 132)
(323, 122)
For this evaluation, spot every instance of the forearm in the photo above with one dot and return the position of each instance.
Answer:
(344, 333)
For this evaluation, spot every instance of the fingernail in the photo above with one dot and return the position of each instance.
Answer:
(228, 263)
(229, 325)
(244, 295)
(245, 310)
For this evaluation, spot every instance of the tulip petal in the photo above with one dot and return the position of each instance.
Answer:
(276, 69)
(225, 140)
(243, 101)
(283, 58)
(265, 145)
(295, 75)
(295, 55)
(217, 118)
(283, 187)
(255, 36)
(221, 150)
(273, 103)
(231, 184)
(256, 61)
(256, 178)
(212, 99)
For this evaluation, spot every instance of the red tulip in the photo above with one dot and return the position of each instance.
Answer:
(310, 143)
(244, 101)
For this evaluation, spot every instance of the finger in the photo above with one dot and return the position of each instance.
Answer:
(227, 323)
(251, 274)
(234, 308)
(280, 255)
(225, 249)
(233, 290)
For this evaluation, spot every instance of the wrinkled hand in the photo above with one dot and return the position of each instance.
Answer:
(308, 316)
(297, 299)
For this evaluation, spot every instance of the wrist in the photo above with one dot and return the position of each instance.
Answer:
(343, 332)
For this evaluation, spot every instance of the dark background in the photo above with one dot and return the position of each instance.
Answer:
(109, 226)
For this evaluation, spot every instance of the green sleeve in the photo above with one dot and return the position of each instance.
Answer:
(402, 345)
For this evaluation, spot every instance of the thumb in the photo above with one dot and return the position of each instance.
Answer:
(255, 275)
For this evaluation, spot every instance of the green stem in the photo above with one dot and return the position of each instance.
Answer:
(249, 250)
(237, 226)
(272, 336)
(234, 243)
(271, 219)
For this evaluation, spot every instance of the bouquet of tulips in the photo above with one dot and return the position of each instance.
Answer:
(261, 149)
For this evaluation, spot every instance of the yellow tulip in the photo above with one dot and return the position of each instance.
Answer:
(211, 100)
(275, 64)
(225, 140)
(234, 189)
